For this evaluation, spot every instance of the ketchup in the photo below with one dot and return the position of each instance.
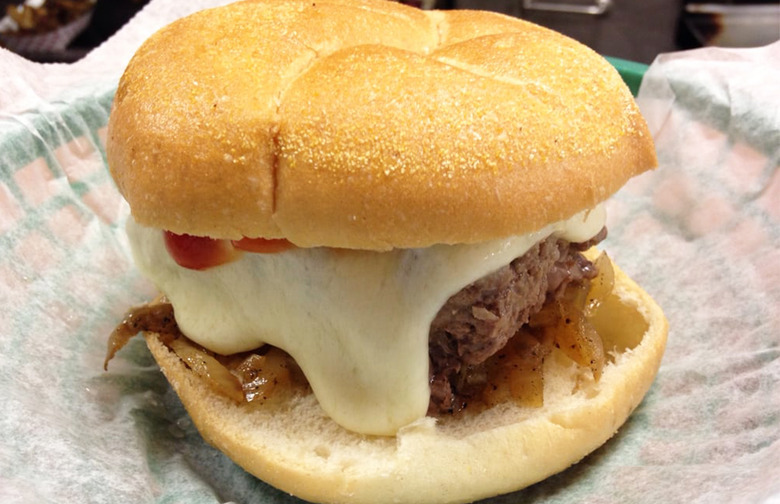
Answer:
(202, 252)
(262, 245)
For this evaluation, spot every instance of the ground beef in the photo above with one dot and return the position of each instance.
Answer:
(477, 322)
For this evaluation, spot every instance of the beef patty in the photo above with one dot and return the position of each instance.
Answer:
(477, 321)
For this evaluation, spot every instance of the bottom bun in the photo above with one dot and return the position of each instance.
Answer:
(298, 449)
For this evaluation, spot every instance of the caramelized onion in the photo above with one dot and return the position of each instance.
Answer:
(575, 336)
(515, 372)
(255, 376)
(208, 368)
(601, 286)
(263, 376)
(251, 376)
(154, 317)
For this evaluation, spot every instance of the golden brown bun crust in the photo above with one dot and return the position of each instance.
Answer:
(299, 450)
(368, 124)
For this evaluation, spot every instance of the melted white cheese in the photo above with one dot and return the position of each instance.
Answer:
(356, 322)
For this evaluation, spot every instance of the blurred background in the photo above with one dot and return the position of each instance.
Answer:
(635, 30)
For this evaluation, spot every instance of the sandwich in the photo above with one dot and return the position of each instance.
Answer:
(374, 231)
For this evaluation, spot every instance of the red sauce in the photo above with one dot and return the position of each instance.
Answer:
(262, 245)
(202, 252)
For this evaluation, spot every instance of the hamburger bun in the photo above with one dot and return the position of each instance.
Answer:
(372, 126)
(297, 448)
(366, 124)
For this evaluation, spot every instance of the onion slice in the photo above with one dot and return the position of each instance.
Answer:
(601, 286)
(208, 368)
(153, 317)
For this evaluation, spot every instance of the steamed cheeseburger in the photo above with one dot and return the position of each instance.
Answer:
(368, 224)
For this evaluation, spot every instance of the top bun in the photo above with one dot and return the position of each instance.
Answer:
(368, 124)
